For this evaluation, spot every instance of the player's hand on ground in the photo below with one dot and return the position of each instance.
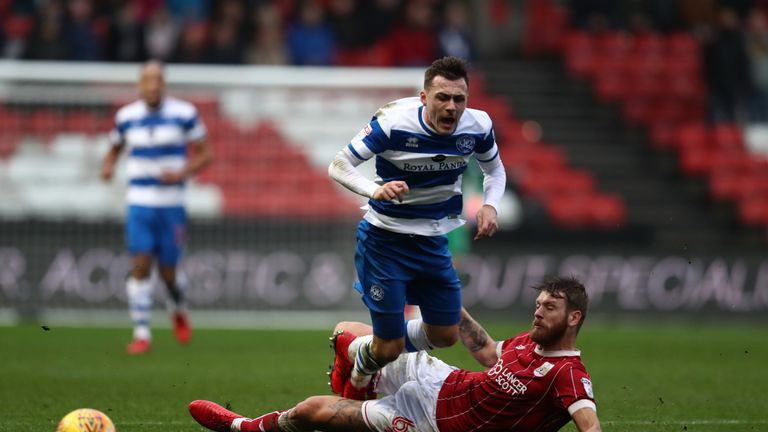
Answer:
(486, 222)
(390, 191)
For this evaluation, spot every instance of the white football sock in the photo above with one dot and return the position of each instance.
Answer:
(235, 426)
(140, 306)
(416, 337)
(365, 365)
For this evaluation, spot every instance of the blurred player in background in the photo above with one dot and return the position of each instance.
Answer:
(422, 146)
(157, 131)
(534, 381)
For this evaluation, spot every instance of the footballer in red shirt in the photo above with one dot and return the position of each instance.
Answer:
(535, 381)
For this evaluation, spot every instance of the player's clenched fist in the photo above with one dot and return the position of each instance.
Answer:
(391, 190)
(486, 222)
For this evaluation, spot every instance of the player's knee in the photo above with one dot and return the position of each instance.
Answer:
(444, 337)
(353, 327)
(141, 266)
(140, 272)
(387, 350)
(168, 276)
(346, 326)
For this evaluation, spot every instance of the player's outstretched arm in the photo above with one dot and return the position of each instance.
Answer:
(476, 339)
(586, 420)
(494, 183)
(108, 166)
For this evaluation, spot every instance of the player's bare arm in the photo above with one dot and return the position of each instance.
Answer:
(108, 166)
(329, 413)
(477, 340)
(391, 190)
(347, 416)
(201, 158)
(487, 224)
(586, 420)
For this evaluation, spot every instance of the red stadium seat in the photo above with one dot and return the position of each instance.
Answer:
(18, 26)
(612, 87)
(544, 184)
(663, 135)
(586, 211)
(512, 133)
(697, 161)
(580, 64)
(8, 143)
(637, 111)
(615, 43)
(522, 161)
(12, 121)
(727, 136)
(694, 135)
(607, 212)
(684, 87)
(86, 122)
(576, 41)
(46, 122)
(725, 186)
(648, 44)
(568, 211)
(682, 44)
(753, 212)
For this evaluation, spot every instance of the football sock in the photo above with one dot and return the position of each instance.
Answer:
(140, 306)
(176, 296)
(265, 423)
(365, 365)
(416, 336)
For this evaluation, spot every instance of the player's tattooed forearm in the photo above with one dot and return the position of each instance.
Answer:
(474, 336)
(347, 415)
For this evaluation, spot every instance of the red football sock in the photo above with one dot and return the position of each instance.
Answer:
(265, 423)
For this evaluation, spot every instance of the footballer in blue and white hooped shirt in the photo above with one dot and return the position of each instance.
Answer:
(421, 147)
(156, 132)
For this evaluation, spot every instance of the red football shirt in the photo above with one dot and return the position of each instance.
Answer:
(526, 390)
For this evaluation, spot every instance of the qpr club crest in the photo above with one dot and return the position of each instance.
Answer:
(465, 144)
(377, 293)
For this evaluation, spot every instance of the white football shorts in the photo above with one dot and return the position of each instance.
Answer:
(411, 385)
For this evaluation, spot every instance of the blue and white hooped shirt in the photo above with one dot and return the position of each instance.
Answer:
(156, 142)
(431, 164)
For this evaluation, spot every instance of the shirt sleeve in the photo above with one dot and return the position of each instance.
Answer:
(486, 149)
(573, 389)
(343, 170)
(371, 140)
(117, 134)
(194, 127)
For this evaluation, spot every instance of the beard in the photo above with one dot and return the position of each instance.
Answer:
(547, 335)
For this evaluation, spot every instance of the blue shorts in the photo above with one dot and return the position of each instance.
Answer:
(394, 268)
(157, 231)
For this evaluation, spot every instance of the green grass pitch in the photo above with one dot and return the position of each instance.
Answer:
(646, 378)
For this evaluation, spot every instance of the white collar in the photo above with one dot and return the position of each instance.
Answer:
(557, 353)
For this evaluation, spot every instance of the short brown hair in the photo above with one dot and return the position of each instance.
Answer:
(570, 289)
(450, 68)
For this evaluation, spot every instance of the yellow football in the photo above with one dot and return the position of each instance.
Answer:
(85, 420)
